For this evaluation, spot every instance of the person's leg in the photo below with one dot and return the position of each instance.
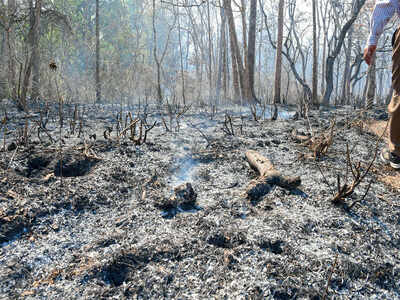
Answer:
(394, 105)
(394, 123)
(392, 154)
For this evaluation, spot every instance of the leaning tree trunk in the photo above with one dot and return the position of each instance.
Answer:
(332, 56)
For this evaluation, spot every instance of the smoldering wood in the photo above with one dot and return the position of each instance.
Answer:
(183, 197)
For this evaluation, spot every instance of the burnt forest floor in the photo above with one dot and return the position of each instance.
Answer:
(102, 224)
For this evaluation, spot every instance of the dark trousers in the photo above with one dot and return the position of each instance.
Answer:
(394, 105)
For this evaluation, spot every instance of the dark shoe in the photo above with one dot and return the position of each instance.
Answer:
(390, 158)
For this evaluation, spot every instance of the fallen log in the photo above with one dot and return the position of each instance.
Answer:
(269, 176)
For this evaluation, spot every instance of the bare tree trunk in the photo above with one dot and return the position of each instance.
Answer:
(380, 91)
(225, 64)
(210, 51)
(98, 82)
(10, 44)
(243, 10)
(221, 62)
(36, 63)
(158, 65)
(371, 88)
(315, 56)
(3, 69)
(181, 57)
(338, 63)
(323, 65)
(237, 66)
(34, 36)
(346, 74)
(278, 61)
(251, 54)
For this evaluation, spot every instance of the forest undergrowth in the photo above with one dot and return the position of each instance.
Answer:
(99, 207)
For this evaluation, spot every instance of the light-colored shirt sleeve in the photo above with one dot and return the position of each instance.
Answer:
(383, 12)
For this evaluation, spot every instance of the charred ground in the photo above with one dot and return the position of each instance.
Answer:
(96, 220)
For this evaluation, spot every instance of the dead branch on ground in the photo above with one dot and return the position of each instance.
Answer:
(269, 176)
(320, 144)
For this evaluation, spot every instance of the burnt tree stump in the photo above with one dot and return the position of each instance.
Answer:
(269, 176)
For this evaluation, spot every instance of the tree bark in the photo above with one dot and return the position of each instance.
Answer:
(10, 44)
(346, 74)
(97, 75)
(237, 65)
(269, 176)
(221, 63)
(371, 88)
(251, 54)
(34, 36)
(36, 60)
(315, 57)
(3, 68)
(278, 61)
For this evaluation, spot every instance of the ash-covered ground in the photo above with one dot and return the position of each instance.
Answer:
(102, 224)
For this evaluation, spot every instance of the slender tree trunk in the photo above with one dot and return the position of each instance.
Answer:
(237, 66)
(251, 54)
(158, 65)
(315, 100)
(36, 61)
(11, 49)
(181, 57)
(244, 32)
(210, 51)
(380, 91)
(371, 87)
(221, 62)
(3, 67)
(278, 61)
(338, 63)
(98, 82)
(323, 63)
(34, 36)
(346, 73)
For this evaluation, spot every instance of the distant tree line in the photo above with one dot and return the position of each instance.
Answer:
(207, 52)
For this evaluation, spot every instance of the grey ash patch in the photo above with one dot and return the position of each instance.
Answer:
(102, 235)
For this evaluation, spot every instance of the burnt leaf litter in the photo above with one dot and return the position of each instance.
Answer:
(110, 218)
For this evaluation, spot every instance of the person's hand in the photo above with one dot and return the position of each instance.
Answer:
(368, 53)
